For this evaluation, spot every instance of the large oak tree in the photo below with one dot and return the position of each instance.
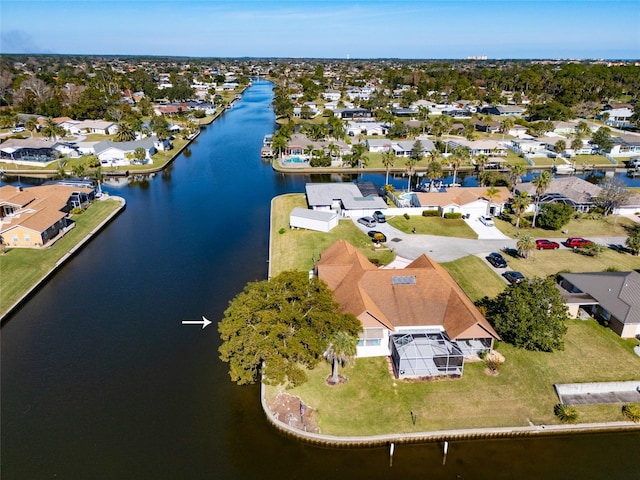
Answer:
(279, 327)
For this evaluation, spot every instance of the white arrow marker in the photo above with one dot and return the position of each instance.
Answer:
(204, 322)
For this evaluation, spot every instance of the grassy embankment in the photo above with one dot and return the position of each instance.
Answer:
(22, 268)
(522, 392)
(372, 402)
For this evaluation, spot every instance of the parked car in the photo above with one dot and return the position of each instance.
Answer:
(488, 221)
(577, 242)
(367, 221)
(544, 244)
(497, 260)
(513, 277)
(18, 130)
(379, 216)
(377, 236)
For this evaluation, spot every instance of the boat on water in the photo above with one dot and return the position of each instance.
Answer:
(563, 169)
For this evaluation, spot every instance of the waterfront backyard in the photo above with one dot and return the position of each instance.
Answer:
(522, 392)
(372, 402)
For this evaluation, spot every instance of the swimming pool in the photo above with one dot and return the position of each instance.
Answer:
(295, 159)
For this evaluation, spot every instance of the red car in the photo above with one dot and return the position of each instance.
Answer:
(544, 244)
(577, 242)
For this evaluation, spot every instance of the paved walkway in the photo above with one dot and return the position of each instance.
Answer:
(447, 249)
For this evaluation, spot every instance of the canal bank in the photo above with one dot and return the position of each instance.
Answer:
(67, 256)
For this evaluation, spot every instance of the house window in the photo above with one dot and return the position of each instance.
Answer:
(15, 239)
(371, 337)
(27, 238)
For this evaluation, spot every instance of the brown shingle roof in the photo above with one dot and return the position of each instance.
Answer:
(422, 294)
(461, 196)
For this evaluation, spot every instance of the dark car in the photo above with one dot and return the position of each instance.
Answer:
(379, 216)
(577, 242)
(513, 277)
(377, 236)
(544, 244)
(367, 221)
(497, 260)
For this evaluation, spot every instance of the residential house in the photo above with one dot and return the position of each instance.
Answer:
(479, 147)
(345, 199)
(331, 95)
(418, 315)
(610, 297)
(298, 144)
(487, 127)
(573, 191)
(117, 153)
(29, 151)
(32, 217)
(527, 146)
(354, 129)
(94, 126)
(517, 131)
(350, 113)
(627, 145)
(617, 117)
(472, 201)
(504, 111)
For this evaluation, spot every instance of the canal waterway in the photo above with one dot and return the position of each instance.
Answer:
(100, 380)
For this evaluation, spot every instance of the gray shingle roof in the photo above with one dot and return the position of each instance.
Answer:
(617, 292)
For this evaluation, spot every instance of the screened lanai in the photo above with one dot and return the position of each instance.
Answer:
(425, 353)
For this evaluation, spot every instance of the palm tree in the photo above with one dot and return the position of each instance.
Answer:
(560, 147)
(491, 193)
(358, 156)
(341, 351)
(434, 170)
(481, 162)
(279, 143)
(333, 149)
(459, 155)
(525, 245)
(308, 150)
(410, 168)
(468, 130)
(516, 171)
(125, 132)
(576, 143)
(388, 159)
(506, 125)
(519, 204)
(541, 183)
(30, 125)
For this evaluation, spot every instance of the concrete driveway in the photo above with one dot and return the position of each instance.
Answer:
(447, 249)
(484, 232)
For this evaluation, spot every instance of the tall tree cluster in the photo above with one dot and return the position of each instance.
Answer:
(277, 328)
(529, 315)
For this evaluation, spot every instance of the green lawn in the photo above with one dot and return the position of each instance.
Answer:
(22, 268)
(475, 277)
(296, 249)
(433, 226)
(606, 227)
(522, 391)
(548, 262)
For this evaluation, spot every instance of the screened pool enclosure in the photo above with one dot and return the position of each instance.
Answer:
(425, 354)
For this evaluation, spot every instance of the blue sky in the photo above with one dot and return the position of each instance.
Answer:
(326, 29)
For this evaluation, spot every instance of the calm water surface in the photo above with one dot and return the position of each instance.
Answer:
(99, 379)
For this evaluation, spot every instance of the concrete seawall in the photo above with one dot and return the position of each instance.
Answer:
(439, 436)
(66, 257)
